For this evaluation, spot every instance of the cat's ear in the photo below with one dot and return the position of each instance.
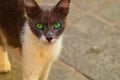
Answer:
(32, 8)
(62, 7)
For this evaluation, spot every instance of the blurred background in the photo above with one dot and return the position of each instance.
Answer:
(92, 44)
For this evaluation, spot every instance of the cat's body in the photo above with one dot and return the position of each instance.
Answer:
(38, 35)
(12, 18)
(11, 21)
(37, 54)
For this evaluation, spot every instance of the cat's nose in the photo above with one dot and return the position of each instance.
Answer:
(49, 38)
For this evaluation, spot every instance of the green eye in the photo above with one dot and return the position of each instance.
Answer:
(57, 26)
(39, 26)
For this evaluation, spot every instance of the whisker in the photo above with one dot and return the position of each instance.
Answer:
(70, 54)
(39, 44)
(36, 42)
(64, 36)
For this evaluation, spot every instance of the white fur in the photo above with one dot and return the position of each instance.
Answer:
(38, 55)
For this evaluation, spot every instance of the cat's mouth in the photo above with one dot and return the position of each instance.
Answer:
(48, 40)
(53, 41)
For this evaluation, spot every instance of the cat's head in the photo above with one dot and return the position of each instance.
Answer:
(47, 22)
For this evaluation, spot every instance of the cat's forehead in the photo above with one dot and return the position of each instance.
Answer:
(47, 14)
(47, 7)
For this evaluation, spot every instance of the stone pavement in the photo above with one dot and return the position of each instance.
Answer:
(91, 45)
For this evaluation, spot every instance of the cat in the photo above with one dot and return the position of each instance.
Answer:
(37, 30)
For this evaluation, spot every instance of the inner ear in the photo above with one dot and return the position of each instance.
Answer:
(61, 11)
(32, 8)
(63, 3)
(62, 8)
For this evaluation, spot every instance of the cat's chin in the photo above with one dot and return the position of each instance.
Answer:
(45, 41)
(53, 41)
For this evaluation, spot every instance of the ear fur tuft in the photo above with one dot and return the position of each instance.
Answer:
(62, 8)
(31, 8)
(63, 3)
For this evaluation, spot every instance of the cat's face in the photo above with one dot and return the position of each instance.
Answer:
(47, 22)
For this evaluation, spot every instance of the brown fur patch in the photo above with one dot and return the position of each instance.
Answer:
(12, 20)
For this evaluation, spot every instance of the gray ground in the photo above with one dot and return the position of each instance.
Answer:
(92, 48)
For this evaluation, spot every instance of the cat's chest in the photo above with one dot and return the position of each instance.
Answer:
(44, 52)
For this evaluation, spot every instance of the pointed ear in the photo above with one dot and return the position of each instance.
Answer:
(62, 8)
(32, 8)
